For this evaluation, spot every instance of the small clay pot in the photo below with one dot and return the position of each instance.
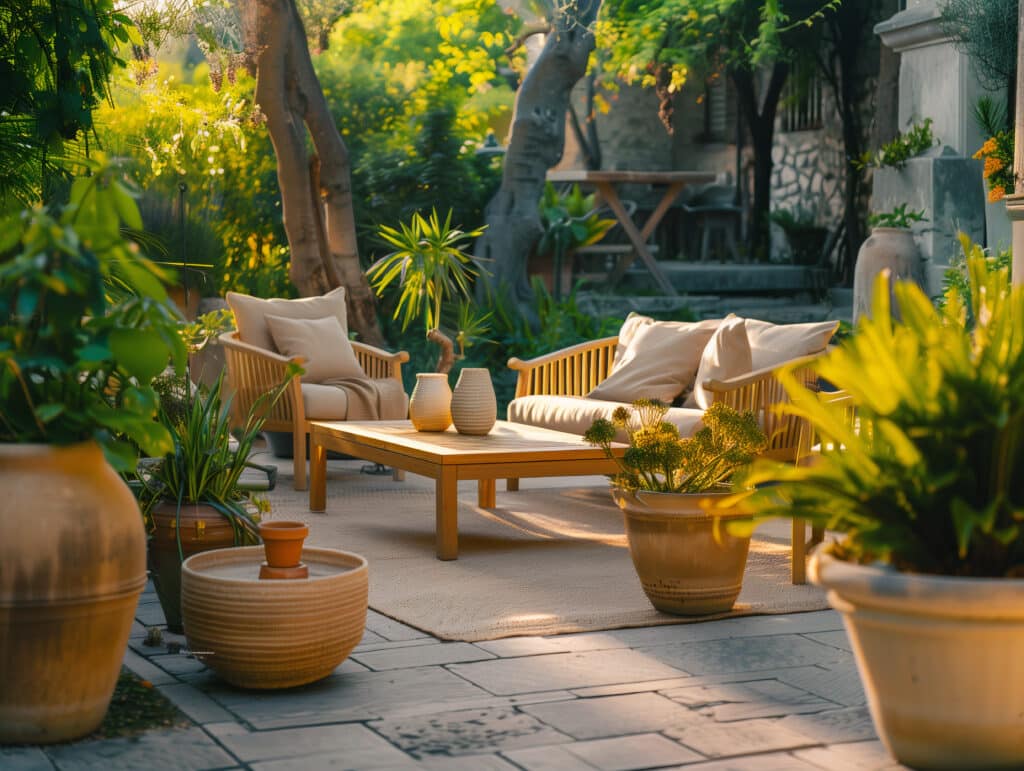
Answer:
(282, 542)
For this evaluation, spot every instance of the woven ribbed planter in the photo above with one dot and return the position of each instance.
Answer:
(273, 634)
(430, 406)
(474, 407)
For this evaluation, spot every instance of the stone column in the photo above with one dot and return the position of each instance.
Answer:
(936, 81)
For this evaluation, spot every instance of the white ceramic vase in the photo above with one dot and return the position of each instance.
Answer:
(474, 406)
(886, 248)
(939, 658)
(430, 406)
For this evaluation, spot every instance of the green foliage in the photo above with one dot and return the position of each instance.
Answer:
(895, 154)
(85, 325)
(956, 280)
(55, 65)
(660, 461)
(984, 29)
(930, 476)
(898, 217)
(206, 462)
(570, 221)
(428, 265)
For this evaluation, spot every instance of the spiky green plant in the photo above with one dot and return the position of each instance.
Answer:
(659, 460)
(930, 476)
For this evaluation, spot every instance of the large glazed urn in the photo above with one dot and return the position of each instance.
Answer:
(72, 566)
(890, 249)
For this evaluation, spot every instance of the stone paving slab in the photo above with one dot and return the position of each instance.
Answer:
(421, 655)
(743, 626)
(467, 732)
(357, 744)
(852, 724)
(720, 740)
(467, 763)
(837, 639)
(777, 761)
(345, 698)
(24, 759)
(626, 753)
(188, 750)
(390, 629)
(743, 701)
(554, 757)
(857, 756)
(147, 671)
(744, 653)
(838, 682)
(565, 670)
(196, 705)
(614, 715)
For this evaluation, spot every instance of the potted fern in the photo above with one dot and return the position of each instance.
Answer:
(687, 564)
(927, 487)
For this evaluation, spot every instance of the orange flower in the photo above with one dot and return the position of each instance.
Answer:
(996, 194)
(992, 165)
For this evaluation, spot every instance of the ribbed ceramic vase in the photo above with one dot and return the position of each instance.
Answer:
(72, 566)
(474, 406)
(430, 406)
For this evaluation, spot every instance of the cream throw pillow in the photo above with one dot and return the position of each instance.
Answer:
(658, 362)
(726, 355)
(773, 344)
(250, 313)
(322, 344)
(635, 322)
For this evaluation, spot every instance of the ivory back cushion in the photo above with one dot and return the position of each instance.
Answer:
(658, 361)
(726, 355)
(251, 312)
(773, 344)
(322, 344)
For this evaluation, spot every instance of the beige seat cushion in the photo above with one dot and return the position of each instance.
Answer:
(773, 344)
(326, 352)
(331, 402)
(250, 313)
(575, 414)
(726, 355)
(659, 360)
(324, 402)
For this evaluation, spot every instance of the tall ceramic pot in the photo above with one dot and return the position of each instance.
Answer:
(202, 528)
(430, 406)
(72, 566)
(684, 569)
(940, 660)
(474, 406)
(885, 248)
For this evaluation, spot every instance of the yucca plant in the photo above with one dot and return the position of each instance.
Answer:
(929, 478)
(430, 266)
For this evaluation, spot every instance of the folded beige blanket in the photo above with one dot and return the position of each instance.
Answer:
(372, 399)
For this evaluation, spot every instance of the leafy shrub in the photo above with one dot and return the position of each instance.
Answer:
(898, 217)
(895, 154)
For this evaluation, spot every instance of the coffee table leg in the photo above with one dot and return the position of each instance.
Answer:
(486, 493)
(317, 477)
(512, 485)
(447, 527)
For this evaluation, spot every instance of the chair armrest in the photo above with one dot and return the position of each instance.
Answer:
(378, 363)
(758, 392)
(253, 372)
(572, 371)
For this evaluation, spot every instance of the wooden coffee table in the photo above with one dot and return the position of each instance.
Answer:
(511, 451)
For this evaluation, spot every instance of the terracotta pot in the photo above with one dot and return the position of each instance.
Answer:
(474, 406)
(886, 248)
(683, 568)
(273, 634)
(202, 528)
(72, 566)
(940, 661)
(282, 542)
(430, 403)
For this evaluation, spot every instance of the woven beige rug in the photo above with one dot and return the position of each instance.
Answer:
(545, 561)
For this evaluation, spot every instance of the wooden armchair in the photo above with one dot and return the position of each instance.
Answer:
(253, 371)
(575, 371)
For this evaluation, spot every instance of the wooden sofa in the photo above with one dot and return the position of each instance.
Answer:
(576, 370)
(254, 371)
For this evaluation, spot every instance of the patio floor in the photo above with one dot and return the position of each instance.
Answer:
(757, 693)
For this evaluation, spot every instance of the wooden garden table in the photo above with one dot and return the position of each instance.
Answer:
(605, 183)
(509, 451)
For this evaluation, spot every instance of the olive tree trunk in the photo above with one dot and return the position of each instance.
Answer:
(316, 193)
(535, 145)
